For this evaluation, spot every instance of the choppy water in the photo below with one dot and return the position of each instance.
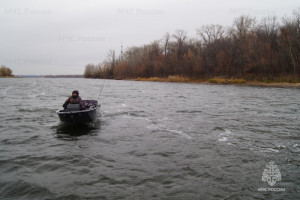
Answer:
(152, 141)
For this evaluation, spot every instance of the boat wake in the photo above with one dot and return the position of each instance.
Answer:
(163, 124)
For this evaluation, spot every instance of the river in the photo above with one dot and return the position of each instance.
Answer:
(151, 141)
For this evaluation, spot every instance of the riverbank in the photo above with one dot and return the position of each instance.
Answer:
(8, 77)
(221, 81)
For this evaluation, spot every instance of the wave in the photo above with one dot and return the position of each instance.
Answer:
(223, 135)
(138, 113)
(5, 90)
(21, 189)
(167, 125)
(36, 109)
(189, 111)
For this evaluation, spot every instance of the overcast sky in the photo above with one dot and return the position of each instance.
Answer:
(62, 36)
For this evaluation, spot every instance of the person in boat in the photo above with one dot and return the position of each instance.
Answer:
(74, 99)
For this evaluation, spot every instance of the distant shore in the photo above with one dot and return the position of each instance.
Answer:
(220, 81)
(8, 77)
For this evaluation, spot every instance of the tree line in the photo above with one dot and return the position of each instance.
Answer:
(5, 71)
(249, 49)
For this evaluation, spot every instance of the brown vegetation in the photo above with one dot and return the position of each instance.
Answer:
(5, 72)
(247, 51)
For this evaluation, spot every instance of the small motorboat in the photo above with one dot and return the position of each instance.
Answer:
(74, 115)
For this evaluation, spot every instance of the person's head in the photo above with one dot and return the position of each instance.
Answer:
(75, 93)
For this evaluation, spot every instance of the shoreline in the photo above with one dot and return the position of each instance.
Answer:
(8, 77)
(219, 81)
(211, 81)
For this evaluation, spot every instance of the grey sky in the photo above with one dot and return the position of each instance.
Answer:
(61, 37)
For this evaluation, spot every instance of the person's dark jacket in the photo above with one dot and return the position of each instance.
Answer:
(72, 100)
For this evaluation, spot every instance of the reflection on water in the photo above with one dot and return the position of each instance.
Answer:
(71, 131)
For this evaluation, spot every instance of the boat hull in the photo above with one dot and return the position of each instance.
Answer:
(77, 117)
(80, 116)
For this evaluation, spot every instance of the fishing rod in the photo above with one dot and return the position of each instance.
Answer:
(101, 89)
(102, 86)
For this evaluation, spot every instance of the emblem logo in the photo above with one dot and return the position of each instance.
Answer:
(271, 174)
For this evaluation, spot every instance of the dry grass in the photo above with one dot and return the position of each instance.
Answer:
(178, 79)
(158, 79)
(237, 81)
(227, 81)
(218, 80)
(185, 79)
(166, 79)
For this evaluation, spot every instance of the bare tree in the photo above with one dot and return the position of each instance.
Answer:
(90, 70)
(243, 25)
(180, 37)
(111, 56)
(210, 33)
(166, 40)
(268, 27)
